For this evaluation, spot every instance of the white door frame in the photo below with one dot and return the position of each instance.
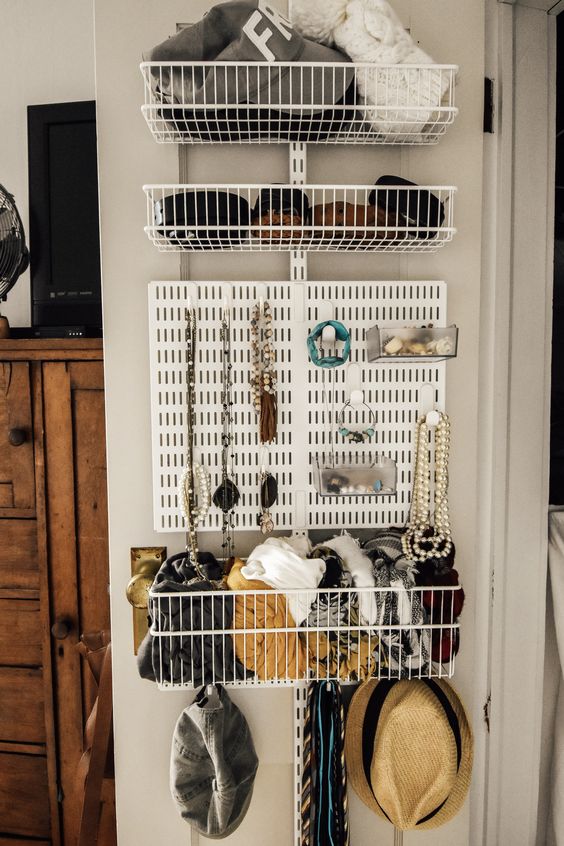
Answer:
(516, 326)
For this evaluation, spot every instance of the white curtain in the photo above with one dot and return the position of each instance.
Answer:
(554, 710)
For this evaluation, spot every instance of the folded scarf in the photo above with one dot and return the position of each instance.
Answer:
(405, 650)
(360, 567)
(189, 659)
(276, 563)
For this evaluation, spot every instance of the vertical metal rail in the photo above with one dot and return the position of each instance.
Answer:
(298, 273)
(185, 277)
(184, 180)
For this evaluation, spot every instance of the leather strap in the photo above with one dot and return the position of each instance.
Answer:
(95, 757)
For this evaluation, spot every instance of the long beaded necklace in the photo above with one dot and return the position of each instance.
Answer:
(194, 486)
(421, 541)
(227, 494)
(263, 375)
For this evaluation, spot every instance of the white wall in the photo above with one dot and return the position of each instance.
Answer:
(452, 31)
(46, 56)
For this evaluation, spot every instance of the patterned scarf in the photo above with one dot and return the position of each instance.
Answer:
(324, 808)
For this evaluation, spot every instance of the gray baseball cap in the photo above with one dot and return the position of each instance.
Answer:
(248, 31)
(213, 764)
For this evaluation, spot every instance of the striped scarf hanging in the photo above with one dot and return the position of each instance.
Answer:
(324, 809)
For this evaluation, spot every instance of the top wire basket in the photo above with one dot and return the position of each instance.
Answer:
(313, 102)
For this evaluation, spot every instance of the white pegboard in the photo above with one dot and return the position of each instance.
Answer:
(391, 390)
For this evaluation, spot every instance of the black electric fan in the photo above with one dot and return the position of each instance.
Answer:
(14, 255)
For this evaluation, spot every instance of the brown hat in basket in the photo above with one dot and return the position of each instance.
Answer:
(409, 751)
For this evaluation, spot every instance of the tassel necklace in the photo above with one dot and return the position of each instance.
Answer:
(263, 374)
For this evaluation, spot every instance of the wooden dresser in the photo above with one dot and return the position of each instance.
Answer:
(53, 576)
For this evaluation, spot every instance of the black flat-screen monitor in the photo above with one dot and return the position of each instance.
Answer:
(64, 231)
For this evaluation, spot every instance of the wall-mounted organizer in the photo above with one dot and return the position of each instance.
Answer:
(251, 637)
(313, 102)
(259, 637)
(391, 389)
(388, 217)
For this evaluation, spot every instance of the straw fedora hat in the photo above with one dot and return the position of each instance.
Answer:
(409, 751)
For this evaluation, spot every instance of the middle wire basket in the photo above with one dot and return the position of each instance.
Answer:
(391, 216)
(273, 637)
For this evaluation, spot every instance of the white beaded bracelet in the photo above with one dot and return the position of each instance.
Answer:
(202, 494)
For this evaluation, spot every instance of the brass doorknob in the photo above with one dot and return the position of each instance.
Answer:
(61, 628)
(16, 437)
(137, 590)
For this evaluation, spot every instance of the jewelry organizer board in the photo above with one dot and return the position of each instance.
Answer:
(451, 30)
(305, 396)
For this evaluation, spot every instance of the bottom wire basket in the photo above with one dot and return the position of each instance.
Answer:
(271, 637)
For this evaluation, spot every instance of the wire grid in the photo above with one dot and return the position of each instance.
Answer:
(251, 637)
(360, 218)
(314, 102)
(167, 304)
(391, 388)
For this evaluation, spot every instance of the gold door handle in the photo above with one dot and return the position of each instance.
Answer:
(137, 590)
(145, 564)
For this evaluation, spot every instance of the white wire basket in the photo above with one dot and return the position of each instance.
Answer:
(313, 102)
(251, 637)
(393, 217)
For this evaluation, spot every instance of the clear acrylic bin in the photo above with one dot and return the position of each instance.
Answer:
(412, 342)
(354, 475)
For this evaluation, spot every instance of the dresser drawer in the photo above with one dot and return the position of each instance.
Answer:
(24, 799)
(18, 554)
(11, 841)
(22, 718)
(20, 633)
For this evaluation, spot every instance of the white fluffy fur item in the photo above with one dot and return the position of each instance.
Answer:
(370, 31)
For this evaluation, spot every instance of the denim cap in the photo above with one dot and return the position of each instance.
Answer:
(213, 764)
(248, 31)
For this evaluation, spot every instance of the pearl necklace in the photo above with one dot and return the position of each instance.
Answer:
(421, 540)
(263, 375)
(195, 499)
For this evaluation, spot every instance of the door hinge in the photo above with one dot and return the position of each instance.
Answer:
(487, 712)
(489, 105)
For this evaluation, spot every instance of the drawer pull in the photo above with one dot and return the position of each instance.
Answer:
(16, 437)
(60, 628)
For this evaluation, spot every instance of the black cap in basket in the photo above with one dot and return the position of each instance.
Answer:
(283, 200)
(419, 207)
(197, 209)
